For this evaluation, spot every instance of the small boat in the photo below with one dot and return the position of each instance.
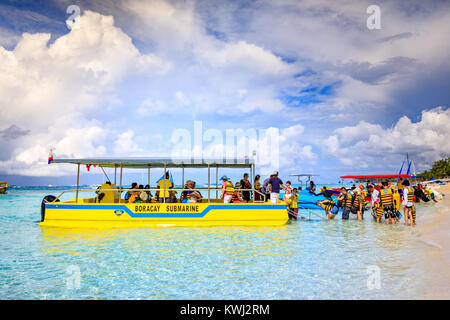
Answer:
(111, 211)
(3, 187)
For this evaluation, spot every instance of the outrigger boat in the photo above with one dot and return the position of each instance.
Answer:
(3, 187)
(112, 211)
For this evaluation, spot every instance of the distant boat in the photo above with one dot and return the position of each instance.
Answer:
(3, 187)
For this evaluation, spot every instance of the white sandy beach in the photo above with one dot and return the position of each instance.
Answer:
(433, 229)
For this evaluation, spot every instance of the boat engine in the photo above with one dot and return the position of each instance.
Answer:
(48, 198)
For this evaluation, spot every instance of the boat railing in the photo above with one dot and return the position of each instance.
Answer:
(119, 191)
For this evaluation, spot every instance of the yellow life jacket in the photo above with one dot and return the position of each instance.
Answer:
(327, 205)
(348, 200)
(410, 194)
(386, 197)
(229, 188)
(397, 201)
(294, 201)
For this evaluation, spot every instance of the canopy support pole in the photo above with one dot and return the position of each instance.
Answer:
(217, 182)
(182, 177)
(209, 183)
(104, 172)
(115, 174)
(148, 177)
(120, 189)
(78, 183)
(252, 171)
(164, 181)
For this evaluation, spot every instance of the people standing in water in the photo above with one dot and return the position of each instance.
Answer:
(358, 204)
(330, 208)
(346, 203)
(408, 203)
(387, 203)
(293, 204)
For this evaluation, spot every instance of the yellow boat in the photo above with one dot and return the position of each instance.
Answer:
(3, 187)
(110, 211)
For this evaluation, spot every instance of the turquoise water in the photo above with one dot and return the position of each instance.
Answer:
(303, 260)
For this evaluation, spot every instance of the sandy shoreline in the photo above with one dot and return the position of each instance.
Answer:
(433, 229)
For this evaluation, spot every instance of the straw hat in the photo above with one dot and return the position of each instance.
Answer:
(143, 195)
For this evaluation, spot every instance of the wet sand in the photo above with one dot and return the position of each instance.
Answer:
(433, 229)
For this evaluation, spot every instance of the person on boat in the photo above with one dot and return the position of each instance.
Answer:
(128, 193)
(246, 185)
(257, 188)
(189, 195)
(135, 196)
(196, 195)
(237, 194)
(408, 203)
(293, 204)
(330, 208)
(266, 187)
(164, 184)
(288, 191)
(346, 202)
(227, 190)
(148, 192)
(324, 192)
(275, 184)
(312, 187)
(387, 203)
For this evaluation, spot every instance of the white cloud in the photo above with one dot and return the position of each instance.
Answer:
(372, 146)
(54, 92)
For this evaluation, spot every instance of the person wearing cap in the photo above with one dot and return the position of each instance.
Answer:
(227, 190)
(275, 184)
(189, 195)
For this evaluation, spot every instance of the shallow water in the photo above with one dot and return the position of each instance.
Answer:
(302, 260)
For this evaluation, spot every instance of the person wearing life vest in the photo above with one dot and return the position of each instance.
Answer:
(346, 199)
(330, 208)
(293, 204)
(408, 203)
(387, 203)
(227, 190)
(358, 204)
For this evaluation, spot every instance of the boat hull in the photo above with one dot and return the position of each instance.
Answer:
(60, 214)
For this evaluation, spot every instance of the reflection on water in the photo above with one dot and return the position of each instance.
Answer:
(302, 260)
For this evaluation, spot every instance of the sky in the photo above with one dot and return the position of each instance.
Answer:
(306, 84)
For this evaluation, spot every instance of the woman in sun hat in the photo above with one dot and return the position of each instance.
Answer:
(227, 189)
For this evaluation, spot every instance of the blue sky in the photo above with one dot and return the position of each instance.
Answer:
(343, 99)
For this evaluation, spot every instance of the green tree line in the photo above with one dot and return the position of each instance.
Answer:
(439, 170)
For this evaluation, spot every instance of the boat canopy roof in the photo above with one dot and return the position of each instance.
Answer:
(377, 176)
(141, 163)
